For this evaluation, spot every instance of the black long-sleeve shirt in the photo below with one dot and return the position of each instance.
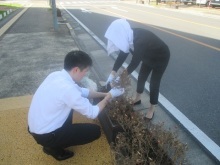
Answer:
(148, 48)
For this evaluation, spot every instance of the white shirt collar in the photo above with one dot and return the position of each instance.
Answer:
(67, 75)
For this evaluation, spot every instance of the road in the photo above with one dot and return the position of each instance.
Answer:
(191, 81)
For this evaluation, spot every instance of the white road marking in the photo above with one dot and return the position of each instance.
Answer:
(116, 8)
(85, 10)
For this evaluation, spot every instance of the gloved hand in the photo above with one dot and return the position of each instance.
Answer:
(117, 80)
(115, 92)
(110, 78)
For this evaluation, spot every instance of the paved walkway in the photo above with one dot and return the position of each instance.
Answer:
(30, 50)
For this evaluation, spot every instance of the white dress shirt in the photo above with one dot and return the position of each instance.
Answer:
(53, 101)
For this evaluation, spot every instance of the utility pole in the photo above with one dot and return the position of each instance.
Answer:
(54, 10)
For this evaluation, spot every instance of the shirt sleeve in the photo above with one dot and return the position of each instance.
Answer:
(136, 56)
(85, 92)
(135, 61)
(120, 60)
(73, 98)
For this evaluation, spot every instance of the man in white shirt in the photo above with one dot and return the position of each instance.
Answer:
(52, 106)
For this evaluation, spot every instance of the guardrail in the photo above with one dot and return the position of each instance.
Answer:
(5, 13)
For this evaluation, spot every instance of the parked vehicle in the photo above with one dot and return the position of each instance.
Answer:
(215, 3)
(186, 2)
(167, 1)
(203, 2)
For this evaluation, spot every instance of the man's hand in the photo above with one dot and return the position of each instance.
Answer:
(115, 92)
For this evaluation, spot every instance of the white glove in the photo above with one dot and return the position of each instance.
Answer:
(117, 79)
(116, 82)
(110, 78)
(115, 92)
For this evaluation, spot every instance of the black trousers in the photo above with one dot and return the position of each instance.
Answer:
(69, 135)
(156, 75)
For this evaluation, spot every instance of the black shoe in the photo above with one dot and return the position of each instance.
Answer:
(137, 102)
(59, 154)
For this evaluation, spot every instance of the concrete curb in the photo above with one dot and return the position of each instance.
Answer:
(12, 21)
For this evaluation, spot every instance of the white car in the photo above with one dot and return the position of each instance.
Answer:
(185, 2)
(215, 3)
(203, 2)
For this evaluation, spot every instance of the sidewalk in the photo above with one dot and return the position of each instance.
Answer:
(30, 50)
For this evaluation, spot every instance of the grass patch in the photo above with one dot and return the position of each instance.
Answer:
(12, 5)
(5, 7)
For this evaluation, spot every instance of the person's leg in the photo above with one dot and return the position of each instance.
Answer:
(150, 112)
(155, 80)
(76, 134)
(142, 78)
(48, 141)
(68, 135)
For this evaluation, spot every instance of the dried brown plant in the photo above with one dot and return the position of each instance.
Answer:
(141, 143)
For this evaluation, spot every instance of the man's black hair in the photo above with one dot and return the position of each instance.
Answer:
(77, 58)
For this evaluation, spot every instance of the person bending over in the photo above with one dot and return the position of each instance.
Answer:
(145, 47)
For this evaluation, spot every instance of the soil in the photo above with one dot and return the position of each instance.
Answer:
(4, 7)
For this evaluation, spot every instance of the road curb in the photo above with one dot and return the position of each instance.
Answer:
(12, 21)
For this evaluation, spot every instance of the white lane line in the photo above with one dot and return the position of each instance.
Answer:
(205, 141)
(116, 8)
(85, 10)
(89, 31)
